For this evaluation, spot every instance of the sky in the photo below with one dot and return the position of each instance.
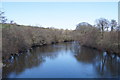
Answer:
(62, 15)
(60, 0)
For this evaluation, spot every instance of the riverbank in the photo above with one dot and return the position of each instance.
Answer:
(92, 37)
(19, 38)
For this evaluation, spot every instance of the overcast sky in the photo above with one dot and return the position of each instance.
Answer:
(64, 15)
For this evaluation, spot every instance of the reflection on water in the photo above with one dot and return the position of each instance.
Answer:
(63, 60)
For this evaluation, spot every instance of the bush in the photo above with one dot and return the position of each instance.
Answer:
(18, 38)
(93, 37)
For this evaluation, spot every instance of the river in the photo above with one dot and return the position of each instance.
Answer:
(63, 60)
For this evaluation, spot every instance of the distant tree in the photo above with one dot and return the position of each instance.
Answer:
(102, 24)
(11, 22)
(83, 24)
(113, 24)
(2, 17)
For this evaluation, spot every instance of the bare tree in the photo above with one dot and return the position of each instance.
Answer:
(113, 24)
(102, 24)
(83, 24)
(2, 17)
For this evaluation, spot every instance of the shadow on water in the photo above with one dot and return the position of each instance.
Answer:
(103, 64)
(106, 65)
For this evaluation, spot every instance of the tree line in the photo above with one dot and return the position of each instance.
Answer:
(19, 38)
(104, 35)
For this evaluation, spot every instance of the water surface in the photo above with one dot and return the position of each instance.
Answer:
(63, 60)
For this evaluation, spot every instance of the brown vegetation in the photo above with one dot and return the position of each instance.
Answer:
(18, 38)
(99, 36)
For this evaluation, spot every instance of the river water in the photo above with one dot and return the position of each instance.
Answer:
(63, 60)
